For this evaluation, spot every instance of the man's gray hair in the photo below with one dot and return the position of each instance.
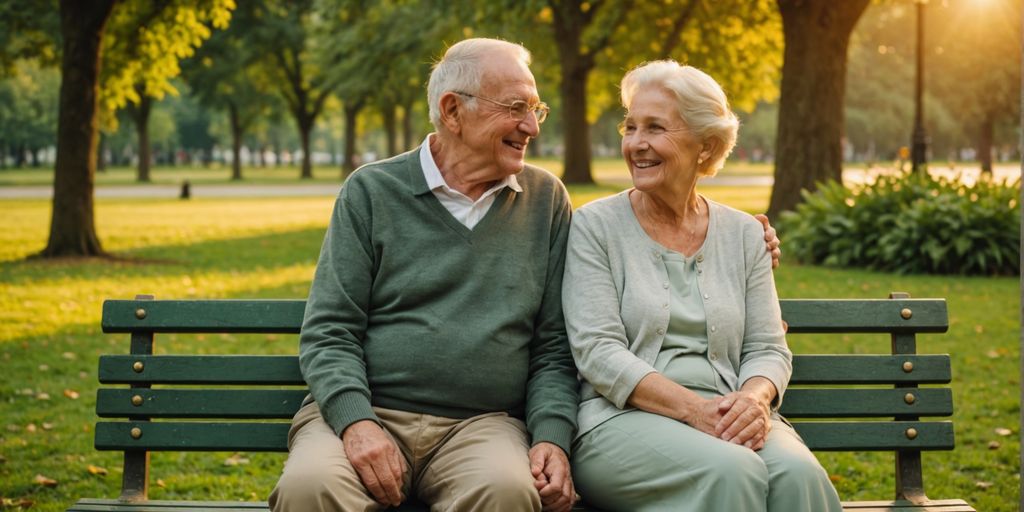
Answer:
(461, 69)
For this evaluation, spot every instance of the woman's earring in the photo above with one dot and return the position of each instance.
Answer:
(700, 160)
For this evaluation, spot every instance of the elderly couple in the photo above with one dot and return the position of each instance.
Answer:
(450, 362)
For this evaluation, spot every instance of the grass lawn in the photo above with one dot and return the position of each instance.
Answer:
(266, 248)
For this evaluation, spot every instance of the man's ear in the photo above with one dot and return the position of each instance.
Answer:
(451, 116)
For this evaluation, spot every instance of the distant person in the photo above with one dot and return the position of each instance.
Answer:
(675, 325)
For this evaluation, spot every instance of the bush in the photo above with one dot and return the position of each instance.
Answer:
(909, 223)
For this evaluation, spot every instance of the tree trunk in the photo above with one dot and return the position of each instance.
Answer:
(808, 147)
(389, 116)
(34, 154)
(407, 135)
(72, 226)
(575, 69)
(19, 155)
(351, 116)
(305, 124)
(985, 143)
(236, 142)
(141, 115)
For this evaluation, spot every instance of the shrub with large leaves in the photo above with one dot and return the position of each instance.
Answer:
(909, 223)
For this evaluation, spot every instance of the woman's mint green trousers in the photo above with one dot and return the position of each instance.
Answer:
(639, 461)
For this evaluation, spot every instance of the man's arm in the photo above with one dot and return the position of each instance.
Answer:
(552, 390)
(331, 350)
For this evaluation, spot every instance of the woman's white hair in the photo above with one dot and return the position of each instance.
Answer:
(461, 69)
(701, 103)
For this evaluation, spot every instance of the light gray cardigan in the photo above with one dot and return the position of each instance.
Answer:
(615, 296)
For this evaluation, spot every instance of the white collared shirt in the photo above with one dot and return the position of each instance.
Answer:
(464, 209)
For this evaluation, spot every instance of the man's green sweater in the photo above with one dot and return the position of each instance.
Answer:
(411, 310)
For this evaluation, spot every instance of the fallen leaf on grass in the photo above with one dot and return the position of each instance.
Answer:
(236, 460)
(42, 396)
(1003, 431)
(983, 485)
(835, 478)
(44, 481)
(70, 356)
(70, 393)
(44, 367)
(993, 445)
(30, 428)
(47, 426)
(96, 470)
(160, 483)
(16, 503)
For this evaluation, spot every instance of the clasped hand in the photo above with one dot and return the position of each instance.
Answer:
(738, 417)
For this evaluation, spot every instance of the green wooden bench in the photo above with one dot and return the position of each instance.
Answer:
(243, 403)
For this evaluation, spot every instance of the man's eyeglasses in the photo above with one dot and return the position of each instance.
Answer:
(518, 108)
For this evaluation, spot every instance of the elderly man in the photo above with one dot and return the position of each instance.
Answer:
(433, 340)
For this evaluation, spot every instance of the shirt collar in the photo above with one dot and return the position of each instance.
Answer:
(433, 174)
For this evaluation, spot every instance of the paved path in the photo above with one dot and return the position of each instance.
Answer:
(850, 176)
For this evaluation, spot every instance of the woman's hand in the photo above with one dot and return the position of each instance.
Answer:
(746, 414)
(706, 416)
(745, 420)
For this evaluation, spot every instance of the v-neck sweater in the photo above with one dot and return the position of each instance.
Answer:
(411, 310)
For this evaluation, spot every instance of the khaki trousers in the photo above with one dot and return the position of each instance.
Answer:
(480, 463)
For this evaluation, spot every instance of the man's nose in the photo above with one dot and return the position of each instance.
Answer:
(529, 124)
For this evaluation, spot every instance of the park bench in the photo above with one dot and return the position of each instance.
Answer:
(243, 403)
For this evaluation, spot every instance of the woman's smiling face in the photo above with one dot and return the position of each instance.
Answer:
(659, 149)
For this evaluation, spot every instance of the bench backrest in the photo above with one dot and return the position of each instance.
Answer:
(208, 402)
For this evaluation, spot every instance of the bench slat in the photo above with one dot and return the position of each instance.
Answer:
(907, 506)
(222, 369)
(199, 437)
(874, 435)
(870, 369)
(853, 403)
(285, 316)
(278, 370)
(228, 316)
(849, 316)
(200, 403)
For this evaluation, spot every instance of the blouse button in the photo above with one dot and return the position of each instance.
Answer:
(700, 258)
(664, 285)
(713, 328)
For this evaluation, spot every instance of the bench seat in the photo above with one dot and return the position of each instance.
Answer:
(243, 403)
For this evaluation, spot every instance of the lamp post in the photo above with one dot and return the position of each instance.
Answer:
(919, 139)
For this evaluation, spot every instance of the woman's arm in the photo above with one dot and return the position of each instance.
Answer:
(660, 395)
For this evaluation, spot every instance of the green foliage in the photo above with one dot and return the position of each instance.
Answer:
(909, 223)
(144, 42)
(28, 106)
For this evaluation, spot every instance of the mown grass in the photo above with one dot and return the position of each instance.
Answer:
(266, 248)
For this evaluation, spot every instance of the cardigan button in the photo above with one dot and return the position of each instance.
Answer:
(664, 285)
(706, 296)
(661, 331)
(713, 328)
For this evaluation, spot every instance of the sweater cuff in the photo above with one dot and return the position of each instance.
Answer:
(556, 431)
(344, 409)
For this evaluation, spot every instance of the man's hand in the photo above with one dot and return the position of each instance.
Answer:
(746, 419)
(771, 239)
(376, 459)
(551, 477)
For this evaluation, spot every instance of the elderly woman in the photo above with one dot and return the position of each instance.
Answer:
(675, 325)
